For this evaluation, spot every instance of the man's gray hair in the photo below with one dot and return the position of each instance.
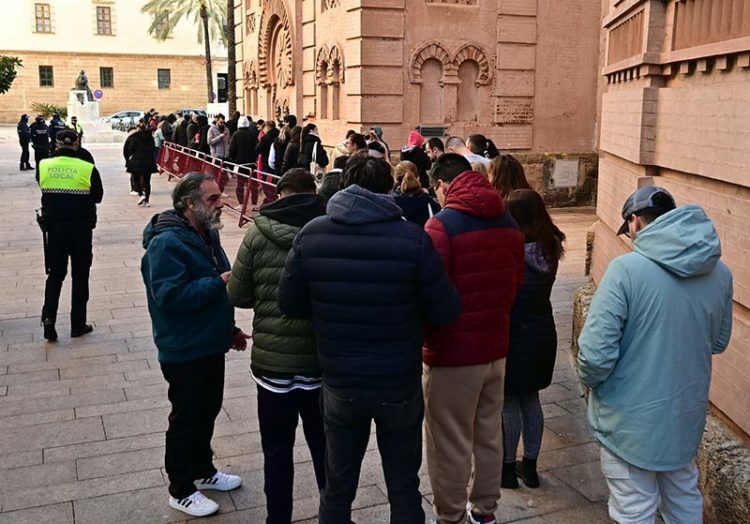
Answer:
(189, 187)
(455, 142)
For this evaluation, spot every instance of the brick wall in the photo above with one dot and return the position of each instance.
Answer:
(135, 82)
(683, 124)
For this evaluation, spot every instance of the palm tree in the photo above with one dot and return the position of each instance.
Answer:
(166, 14)
(232, 59)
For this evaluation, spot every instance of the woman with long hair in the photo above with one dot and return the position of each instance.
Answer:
(292, 150)
(311, 147)
(506, 174)
(417, 205)
(533, 338)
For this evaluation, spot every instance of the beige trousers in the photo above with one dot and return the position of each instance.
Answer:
(463, 407)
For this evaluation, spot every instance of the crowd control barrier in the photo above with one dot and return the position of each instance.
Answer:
(243, 187)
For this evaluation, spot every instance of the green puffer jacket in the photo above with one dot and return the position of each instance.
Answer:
(282, 346)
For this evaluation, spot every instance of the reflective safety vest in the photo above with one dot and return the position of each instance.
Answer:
(64, 174)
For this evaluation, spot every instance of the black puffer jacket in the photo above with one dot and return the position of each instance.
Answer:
(370, 281)
(306, 153)
(139, 153)
(242, 146)
(180, 135)
(533, 337)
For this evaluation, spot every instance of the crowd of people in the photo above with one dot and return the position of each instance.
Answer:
(344, 269)
(415, 296)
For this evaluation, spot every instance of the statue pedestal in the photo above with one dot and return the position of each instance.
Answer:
(87, 112)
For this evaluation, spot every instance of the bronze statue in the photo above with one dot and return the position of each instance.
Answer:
(82, 84)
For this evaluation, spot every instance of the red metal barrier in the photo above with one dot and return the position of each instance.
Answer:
(243, 187)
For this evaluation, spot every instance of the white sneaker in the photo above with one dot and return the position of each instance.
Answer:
(141, 200)
(146, 204)
(196, 505)
(134, 193)
(220, 482)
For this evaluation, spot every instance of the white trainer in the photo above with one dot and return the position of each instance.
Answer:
(196, 505)
(134, 193)
(141, 200)
(220, 482)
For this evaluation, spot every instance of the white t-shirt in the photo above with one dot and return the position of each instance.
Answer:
(473, 157)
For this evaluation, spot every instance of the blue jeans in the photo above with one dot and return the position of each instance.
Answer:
(347, 416)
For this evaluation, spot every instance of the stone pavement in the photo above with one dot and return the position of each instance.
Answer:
(82, 422)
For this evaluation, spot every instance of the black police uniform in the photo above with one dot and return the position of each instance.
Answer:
(70, 217)
(55, 126)
(40, 142)
(24, 137)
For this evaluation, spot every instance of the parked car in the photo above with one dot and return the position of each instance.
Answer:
(199, 112)
(123, 119)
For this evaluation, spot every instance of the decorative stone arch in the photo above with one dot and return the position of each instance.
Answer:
(428, 50)
(475, 53)
(274, 18)
(336, 63)
(322, 65)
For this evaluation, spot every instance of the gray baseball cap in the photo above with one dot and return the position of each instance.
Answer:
(645, 198)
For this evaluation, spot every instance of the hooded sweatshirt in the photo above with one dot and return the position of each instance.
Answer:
(187, 299)
(658, 315)
(369, 280)
(283, 347)
(483, 252)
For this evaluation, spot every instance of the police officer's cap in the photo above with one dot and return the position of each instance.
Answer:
(67, 137)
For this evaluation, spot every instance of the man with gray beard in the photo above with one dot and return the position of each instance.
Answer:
(186, 271)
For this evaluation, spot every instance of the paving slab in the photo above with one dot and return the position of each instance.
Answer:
(53, 434)
(48, 514)
(82, 489)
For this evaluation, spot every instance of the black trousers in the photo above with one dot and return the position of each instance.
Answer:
(278, 414)
(24, 142)
(40, 154)
(68, 240)
(398, 414)
(143, 184)
(196, 392)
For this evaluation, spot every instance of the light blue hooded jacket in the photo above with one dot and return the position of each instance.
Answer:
(645, 351)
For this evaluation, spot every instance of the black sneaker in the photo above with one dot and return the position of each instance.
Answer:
(81, 330)
(527, 472)
(50, 333)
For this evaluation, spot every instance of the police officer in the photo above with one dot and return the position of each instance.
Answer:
(75, 126)
(71, 188)
(24, 137)
(39, 141)
(55, 126)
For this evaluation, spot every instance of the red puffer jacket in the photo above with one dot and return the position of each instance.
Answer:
(483, 252)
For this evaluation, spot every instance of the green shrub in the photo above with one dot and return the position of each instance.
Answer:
(8, 71)
(47, 110)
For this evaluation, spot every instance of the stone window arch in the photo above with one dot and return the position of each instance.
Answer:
(431, 50)
(468, 91)
(336, 78)
(322, 72)
(476, 54)
(431, 91)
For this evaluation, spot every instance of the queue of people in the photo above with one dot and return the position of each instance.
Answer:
(435, 314)
(429, 242)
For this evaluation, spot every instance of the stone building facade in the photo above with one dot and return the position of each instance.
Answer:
(522, 72)
(676, 113)
(108, 39)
